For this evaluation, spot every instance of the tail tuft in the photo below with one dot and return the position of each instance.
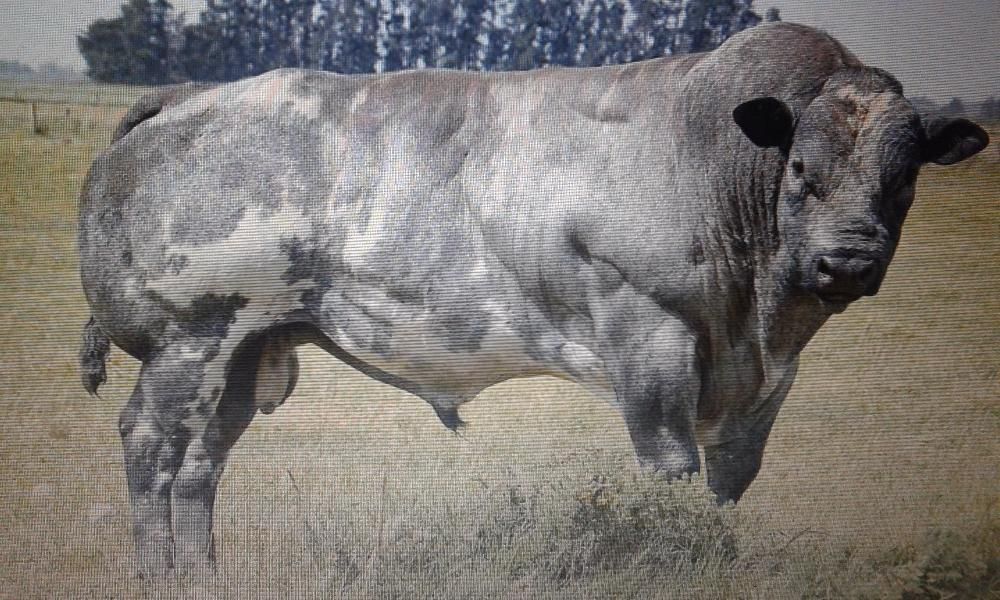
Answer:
(93, 355)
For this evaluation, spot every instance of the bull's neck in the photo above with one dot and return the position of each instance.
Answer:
(741, 223)
(750, 207)
(749, 241)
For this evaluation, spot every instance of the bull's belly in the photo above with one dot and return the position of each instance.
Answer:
(447, 354)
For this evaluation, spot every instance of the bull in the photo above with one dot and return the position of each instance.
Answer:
(669, 234)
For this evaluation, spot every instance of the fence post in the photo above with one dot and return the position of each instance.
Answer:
(34, 119)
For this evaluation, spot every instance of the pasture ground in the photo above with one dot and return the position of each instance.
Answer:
(881, 479)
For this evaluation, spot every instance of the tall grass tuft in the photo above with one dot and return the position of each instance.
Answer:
(540, 536)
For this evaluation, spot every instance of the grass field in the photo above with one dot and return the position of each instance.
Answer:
(881, 479)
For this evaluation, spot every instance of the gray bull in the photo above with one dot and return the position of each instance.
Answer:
(669, 234)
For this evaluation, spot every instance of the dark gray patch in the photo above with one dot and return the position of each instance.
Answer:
(379, 331)
(208, 315)
(696, 253)
(173, 380)
(307, 260)
(404, 294)
(464, 327)
(381, 342)
(312, 299)
(739, 248)
(366, 329)
(176, 263)
(205, 221)
(579, 247)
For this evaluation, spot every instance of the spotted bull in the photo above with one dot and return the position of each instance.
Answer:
(669, 234)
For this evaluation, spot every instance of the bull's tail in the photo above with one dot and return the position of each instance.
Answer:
(93, 355)
(151, 104)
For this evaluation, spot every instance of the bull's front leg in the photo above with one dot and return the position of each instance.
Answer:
(734, 463)
(657, 383)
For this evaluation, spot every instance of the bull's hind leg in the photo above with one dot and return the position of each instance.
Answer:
(173, 402)
(198, 479)
(261, 375)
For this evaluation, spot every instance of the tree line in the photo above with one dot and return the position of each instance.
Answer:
(151, 43)
(50, 71)
(985, 110)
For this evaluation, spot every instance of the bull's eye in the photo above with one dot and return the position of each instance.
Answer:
(798, 167)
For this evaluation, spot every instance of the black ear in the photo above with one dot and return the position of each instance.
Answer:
(766, 121)
(949, 141)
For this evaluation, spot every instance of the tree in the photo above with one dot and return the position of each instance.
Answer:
(471, 25)
(224, 45)
(12, 69)
(924, 105)
(955, 107)
(284, 31)
(604, 20)
(353, 40)
(708, 23)
(989, 110)
(132, 48)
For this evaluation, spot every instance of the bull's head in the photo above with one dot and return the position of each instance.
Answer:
(851, 163)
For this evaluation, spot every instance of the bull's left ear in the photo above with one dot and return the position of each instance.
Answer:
(767, 121)
(949, 141)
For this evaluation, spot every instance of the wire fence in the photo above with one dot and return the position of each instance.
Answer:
(72, 107)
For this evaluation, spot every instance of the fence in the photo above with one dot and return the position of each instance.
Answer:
(44, 100)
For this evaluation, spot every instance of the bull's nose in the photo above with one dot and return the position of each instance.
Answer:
(846, 278)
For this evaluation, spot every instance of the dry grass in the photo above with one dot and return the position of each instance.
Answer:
(881, 478)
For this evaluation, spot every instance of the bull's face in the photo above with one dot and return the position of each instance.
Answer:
(851, 163)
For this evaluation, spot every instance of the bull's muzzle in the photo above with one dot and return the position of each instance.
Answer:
(844, 278)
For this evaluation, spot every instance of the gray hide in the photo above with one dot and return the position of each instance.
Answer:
(669, 234)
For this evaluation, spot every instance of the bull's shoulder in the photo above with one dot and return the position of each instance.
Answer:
(151, 104)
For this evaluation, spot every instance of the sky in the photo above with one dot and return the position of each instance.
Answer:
(936, 48)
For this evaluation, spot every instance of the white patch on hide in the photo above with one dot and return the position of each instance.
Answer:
(480, 270)
(363, 240)
(249, 262)
(187, 353)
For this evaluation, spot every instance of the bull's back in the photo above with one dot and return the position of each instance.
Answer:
(347, 199)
